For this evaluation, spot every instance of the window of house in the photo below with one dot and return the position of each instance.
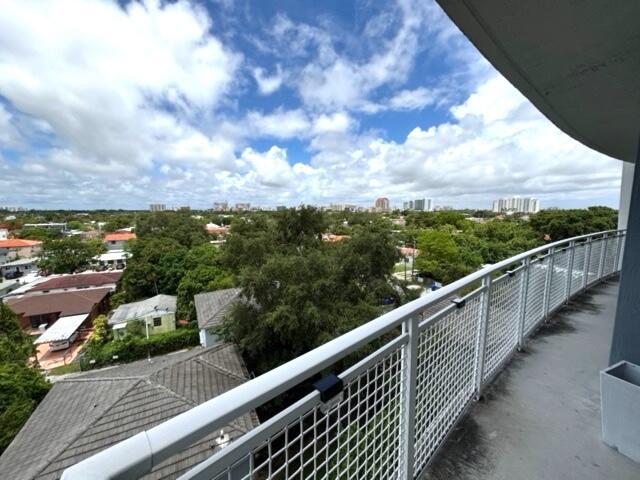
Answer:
(157, 322)
(37, 320)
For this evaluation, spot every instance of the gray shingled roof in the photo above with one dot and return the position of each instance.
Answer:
(138, 310)
(88, 412)
(211, 307)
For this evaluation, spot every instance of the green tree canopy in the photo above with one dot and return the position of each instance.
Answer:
(21, 387)
(178, 226)
(69, 255)
(561, 224)
(302, 291)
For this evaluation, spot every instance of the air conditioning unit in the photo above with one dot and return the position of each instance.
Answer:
(42, 327)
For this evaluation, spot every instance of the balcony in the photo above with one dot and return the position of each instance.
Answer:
(390, 414)
(541, 417)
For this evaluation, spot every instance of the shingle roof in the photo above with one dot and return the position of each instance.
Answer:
(211, 307)
(64, 303)
(18, 243)
(137, 310)
(88, 412)
(80, 280)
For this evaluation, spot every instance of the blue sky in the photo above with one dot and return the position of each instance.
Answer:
(117, 105)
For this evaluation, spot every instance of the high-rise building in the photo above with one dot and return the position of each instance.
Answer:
(342, 207)
(382, 204)
(157, 207)
(420, 204)
(241, 207)
(516, 205)
(220, 206)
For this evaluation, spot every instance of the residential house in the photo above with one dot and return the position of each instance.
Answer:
(86, 413)
(116, 241)
(15, 248)
(78, 281)
(19, 267)
(214, 229)
(157, 314)
(211, 308)
(36, 313)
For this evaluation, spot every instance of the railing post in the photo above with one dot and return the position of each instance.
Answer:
(522, 309)
(587, 263)
(603, 253)
(410, 354)
(572, 251)
(482, 333)
(547, 284)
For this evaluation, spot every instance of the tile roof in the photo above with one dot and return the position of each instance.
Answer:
(88, 412)
(211, 307)
(18, 243)
(119, 237)
(80, 280)
(137, 310)
(64, 303)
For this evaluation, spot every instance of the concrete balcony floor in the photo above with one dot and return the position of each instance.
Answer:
(540, 419)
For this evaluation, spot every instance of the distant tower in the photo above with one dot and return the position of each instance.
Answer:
(382, 204)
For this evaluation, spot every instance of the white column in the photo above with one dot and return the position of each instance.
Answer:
(625, 194)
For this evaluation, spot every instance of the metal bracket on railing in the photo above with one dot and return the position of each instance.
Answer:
(511, 273)
(459, 302)
(330, 388)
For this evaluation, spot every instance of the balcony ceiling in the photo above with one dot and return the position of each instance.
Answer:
(577, 61)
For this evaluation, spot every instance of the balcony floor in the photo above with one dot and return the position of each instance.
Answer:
(540, 419)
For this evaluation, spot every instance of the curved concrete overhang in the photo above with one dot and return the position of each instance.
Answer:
(577, 61)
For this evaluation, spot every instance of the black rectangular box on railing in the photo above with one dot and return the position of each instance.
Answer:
(329, 387)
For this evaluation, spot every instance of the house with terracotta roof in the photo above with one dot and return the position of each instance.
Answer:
(37, 313)
(116, 241)
(214, 229)
(78, 281)
(17, 248)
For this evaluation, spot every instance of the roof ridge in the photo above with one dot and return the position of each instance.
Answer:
(172, 392)
(88, 426)
(100, 379)
(222, 369)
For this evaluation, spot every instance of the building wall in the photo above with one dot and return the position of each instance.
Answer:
(207, 339)
(168, 323)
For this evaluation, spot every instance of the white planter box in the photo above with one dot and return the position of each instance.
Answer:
(620, 397)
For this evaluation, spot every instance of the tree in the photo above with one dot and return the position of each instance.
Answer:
(300, 291)
(21, 387)
(156, 266)
(445, 256)
(562, 224)
(69, 255)
(177, 226)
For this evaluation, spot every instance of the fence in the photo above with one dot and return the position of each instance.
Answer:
(395, 407)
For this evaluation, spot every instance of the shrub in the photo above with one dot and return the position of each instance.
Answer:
(135, 348)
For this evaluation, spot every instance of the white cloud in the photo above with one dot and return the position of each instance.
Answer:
(338, 122)
(99, 76)
(415, 99)
(143, 115)
(278, 124)
(268, 84)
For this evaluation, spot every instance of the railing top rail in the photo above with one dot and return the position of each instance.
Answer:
(140, 453)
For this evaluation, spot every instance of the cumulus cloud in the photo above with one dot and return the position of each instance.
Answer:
(267, 84)
(99, 75)
(164, 110)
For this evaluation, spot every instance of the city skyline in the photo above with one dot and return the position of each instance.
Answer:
(276, 104)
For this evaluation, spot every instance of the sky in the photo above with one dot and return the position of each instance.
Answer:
(108, 104)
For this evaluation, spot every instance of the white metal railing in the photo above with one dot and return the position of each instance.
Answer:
(398, 405)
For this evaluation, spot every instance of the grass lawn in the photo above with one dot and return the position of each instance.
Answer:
(63, 369)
